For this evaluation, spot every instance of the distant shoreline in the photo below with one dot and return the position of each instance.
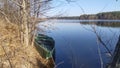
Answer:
(115, 15)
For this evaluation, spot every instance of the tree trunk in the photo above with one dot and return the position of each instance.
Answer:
(25, 23)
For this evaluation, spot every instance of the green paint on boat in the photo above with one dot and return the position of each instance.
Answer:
(45, 46)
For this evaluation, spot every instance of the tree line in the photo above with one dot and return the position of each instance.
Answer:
(115, 15)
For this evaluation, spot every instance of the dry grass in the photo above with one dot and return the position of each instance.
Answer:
(13, 54)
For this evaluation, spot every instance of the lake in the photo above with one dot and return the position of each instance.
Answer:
(82, 44)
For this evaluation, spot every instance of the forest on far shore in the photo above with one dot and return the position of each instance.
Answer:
(114, 15)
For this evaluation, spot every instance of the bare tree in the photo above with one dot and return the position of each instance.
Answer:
(22, 14)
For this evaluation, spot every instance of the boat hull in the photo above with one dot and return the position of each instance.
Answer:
(45, 46)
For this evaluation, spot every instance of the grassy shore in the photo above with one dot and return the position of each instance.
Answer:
(15, 55)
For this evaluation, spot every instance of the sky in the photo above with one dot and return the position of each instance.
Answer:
(79, 7)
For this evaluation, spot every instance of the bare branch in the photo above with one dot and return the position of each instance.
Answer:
(40, 2)
(101, 41)
(16, 3)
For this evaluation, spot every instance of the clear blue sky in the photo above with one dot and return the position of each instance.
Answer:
(79, 7)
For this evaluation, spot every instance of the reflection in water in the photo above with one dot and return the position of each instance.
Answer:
(104, 23)
(82, 46)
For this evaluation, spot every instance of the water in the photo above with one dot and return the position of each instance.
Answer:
(77, 44)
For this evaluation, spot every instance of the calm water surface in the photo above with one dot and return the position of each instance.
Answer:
(77, 44)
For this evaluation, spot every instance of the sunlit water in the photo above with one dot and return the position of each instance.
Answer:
(76, 44)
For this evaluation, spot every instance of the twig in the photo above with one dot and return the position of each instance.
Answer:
(7, 56)
(100, 40)
(16, 3)
(59, 64)
(101, 60)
